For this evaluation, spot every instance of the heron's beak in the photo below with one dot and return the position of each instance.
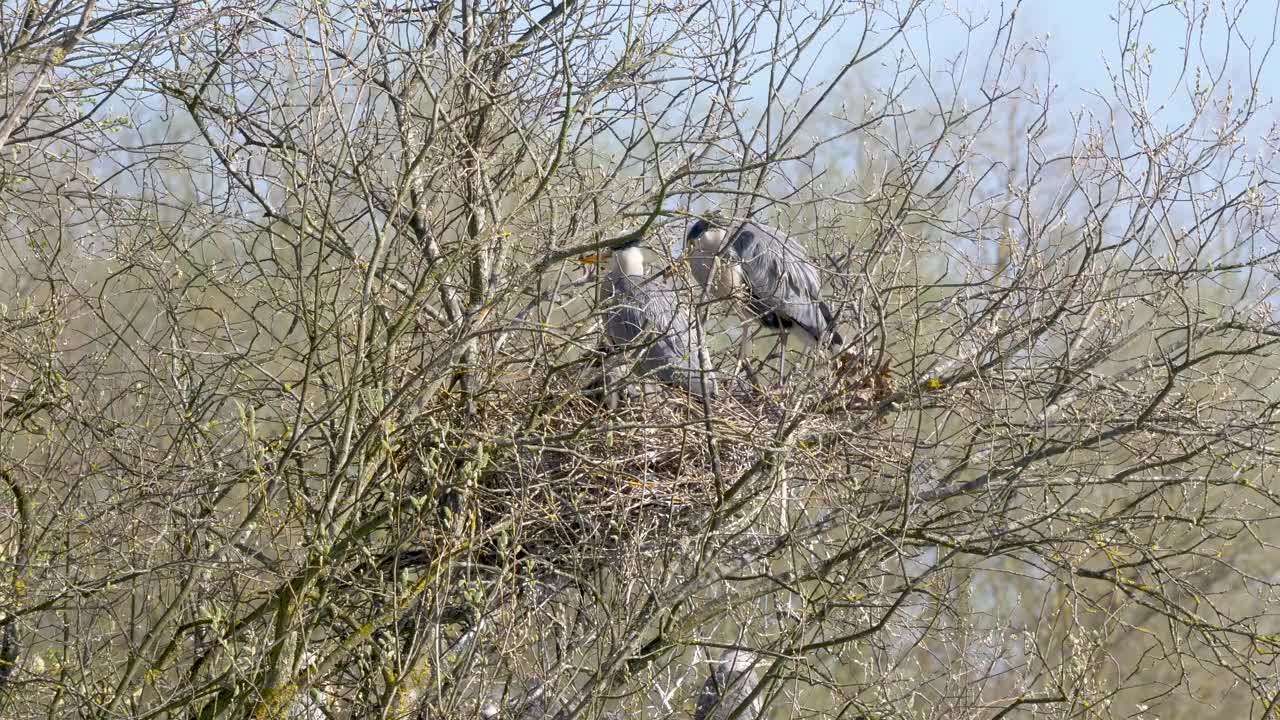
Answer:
(592, 259)
(676, 265)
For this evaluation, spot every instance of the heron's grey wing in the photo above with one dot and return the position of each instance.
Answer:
(675, 353)
(784, 283)
(647, 311)
(625, 321)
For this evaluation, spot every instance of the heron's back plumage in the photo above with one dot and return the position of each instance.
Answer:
(644, 313)
(784, 284)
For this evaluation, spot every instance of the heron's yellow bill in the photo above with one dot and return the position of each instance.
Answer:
(592, 259)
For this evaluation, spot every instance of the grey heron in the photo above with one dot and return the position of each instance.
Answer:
(769, 271)
(733, 679)
(643, 313)
(781, 282)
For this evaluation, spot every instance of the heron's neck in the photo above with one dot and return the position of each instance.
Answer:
(629, 261)
(711, 239)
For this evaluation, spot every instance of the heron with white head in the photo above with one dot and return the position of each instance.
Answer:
(644, 313)
(770, 273)
(725, 694)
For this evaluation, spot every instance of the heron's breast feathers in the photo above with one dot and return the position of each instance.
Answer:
(727, 282)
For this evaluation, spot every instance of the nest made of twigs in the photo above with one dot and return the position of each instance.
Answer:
(569, 479)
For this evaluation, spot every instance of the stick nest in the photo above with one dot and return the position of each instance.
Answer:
(587, 479)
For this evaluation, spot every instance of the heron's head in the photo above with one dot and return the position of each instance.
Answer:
(627, 258)
(708, 232)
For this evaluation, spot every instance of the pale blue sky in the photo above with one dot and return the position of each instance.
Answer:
(1083, 37)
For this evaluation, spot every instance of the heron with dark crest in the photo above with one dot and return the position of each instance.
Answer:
(769, 273)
